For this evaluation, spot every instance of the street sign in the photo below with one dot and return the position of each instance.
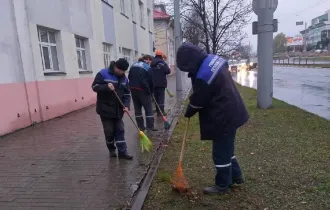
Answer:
(300, 23)
(262, 5)
(275, 25)
(255, 26)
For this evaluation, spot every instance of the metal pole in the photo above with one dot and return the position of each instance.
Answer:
(178, 40)
(265, 55)
(305, 38)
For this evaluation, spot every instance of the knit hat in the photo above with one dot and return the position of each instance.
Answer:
(159, 52)
(122, 64)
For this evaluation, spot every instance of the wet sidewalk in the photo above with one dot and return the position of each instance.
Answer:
(64, 163)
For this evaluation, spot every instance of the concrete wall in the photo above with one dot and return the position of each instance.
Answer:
(28, 94)
(160, 35)
(164, 41)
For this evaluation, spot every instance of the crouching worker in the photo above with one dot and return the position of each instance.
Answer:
(221, 111)
(106, 82)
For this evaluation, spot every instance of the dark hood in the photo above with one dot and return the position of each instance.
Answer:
(189, 57)
(156, 60)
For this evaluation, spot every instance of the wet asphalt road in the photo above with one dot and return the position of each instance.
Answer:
(307, 88)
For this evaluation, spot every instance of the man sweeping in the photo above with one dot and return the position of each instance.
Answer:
(109, 108)
(141, 84)
(221, 111)
(160, 71)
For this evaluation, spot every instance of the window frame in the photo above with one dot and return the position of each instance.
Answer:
(48, 45)
(149, 18)
(80, 50)
(107, 55)
(141, 12)
(125, 56)
(133, 10)
(123, 7)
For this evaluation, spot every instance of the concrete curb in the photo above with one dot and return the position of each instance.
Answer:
(141, 193)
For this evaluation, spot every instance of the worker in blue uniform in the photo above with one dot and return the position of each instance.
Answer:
(221, 111)
(106, 82)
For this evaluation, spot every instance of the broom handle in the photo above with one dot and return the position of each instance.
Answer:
(153, 97)
(184, 141)
(122, 104)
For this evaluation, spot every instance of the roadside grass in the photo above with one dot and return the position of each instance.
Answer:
(284, 153)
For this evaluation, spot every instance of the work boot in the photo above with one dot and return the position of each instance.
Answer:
(216, 190)
(125, 156)
(113, 153)
(238, 180)
(152, 129)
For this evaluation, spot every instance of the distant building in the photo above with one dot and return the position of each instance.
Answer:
(164, 34)
(50, 50)
(319, 30)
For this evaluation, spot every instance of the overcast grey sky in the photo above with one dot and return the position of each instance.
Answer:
(290, 11)
(287, 13)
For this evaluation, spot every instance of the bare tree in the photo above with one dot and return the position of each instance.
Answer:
(214, 24)
(245, 51)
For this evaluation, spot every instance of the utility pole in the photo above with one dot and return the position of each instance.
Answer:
(305, 38)
(264, 28)
(178, 40)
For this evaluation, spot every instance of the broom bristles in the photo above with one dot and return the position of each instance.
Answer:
(145, 142)
(169, 93)
(179, 181)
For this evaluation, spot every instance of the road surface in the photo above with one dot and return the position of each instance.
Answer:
(307, 88)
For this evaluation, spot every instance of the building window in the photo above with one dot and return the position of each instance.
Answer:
(123, 7)
(107, 55)
(149, 19)
(126, 54)
(81, 53)
(133, 9)
(141, 7)
(48, 51)
(136, 55)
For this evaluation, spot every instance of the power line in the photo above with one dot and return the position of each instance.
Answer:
(307, 8)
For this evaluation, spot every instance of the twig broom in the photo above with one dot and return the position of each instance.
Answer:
(166, 123)
(144, 140)
(169, 93)
(178, 180)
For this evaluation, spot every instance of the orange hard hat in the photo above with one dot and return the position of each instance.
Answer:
(159, 52)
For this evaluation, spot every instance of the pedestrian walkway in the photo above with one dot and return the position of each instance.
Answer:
(64, 164)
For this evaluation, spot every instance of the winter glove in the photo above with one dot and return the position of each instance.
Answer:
(189, 112)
